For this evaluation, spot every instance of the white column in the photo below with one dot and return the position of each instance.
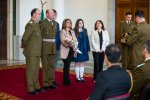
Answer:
(10, 30)
(23, 10)
(111, 20)
(58, 5)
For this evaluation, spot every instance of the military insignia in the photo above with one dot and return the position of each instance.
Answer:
(140, 65)
(31, 22)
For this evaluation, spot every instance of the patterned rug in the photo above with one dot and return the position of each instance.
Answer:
(13, 86)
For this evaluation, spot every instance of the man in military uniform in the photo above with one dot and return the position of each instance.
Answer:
(49, 28)
(141, 75)
(126, 26)
(31, 44)
(139, 35)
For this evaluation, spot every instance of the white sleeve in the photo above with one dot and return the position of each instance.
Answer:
(93, 43)
(106, 41)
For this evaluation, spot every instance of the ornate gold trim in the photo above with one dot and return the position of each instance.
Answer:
(5, 96)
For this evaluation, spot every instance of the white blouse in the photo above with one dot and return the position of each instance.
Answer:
(95, 42)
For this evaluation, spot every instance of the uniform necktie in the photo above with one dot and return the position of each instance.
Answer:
(51, 23)
(100, 39)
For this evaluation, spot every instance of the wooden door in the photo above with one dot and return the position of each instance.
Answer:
(3, 29)
(123, 6)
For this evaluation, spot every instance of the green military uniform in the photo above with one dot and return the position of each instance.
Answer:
(140, 34)
(48, 51)
(32, 43)
(126, 28)
(141, 77)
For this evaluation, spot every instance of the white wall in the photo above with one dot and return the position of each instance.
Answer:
(88, 10)
(23, 9)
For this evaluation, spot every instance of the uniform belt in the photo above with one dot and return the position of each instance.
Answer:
(49, 40)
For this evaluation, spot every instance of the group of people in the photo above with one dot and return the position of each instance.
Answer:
(44, 40)
(132, 82)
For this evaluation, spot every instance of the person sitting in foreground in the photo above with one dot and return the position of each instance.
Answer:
(113, 83)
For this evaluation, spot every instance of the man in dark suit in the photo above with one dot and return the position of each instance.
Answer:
(49, 29)
(114, 83)
(141, 76)
(139, 35)
(126, 27)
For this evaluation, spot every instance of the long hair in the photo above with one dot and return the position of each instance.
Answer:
(76, 28)
(64, 23)
(103, 28)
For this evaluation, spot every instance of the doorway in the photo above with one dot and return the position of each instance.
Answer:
(3, 29)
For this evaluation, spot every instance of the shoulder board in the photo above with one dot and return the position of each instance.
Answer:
(30, 22)
(121, 21)
(140, 65)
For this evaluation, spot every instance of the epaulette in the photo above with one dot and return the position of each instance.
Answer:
(30, 22)
(140, 65)
(121, 21)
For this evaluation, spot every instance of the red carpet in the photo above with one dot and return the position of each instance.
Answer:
(12, 82)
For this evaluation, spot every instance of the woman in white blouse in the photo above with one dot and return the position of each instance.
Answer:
(99, 41)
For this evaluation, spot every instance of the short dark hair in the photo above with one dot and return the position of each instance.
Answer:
(147, 45)
(47, 11)
(128, 13)
(54, 11)
(113, 53)
(33, 11)
(139, 13)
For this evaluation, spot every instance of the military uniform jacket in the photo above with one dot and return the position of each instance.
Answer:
(126, 28)
(48, 32)
(141, 77)
(32, 40)
(140, 34)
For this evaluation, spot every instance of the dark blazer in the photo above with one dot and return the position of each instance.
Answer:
(110, 83)
(58, 37)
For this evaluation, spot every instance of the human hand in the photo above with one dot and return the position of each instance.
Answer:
(75, 54)
(100, 50)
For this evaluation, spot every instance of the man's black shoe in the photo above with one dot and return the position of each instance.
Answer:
(32, 93)
(40, 90)
(55, 83)
(46, 88)
(54, 86)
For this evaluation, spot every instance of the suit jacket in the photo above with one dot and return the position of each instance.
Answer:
(32, 40)
(110, 83)
(140, 34)
(126, 28)
(64, 47)
(58, 37)
(141, 77)
(95, 42)
(49, 32)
